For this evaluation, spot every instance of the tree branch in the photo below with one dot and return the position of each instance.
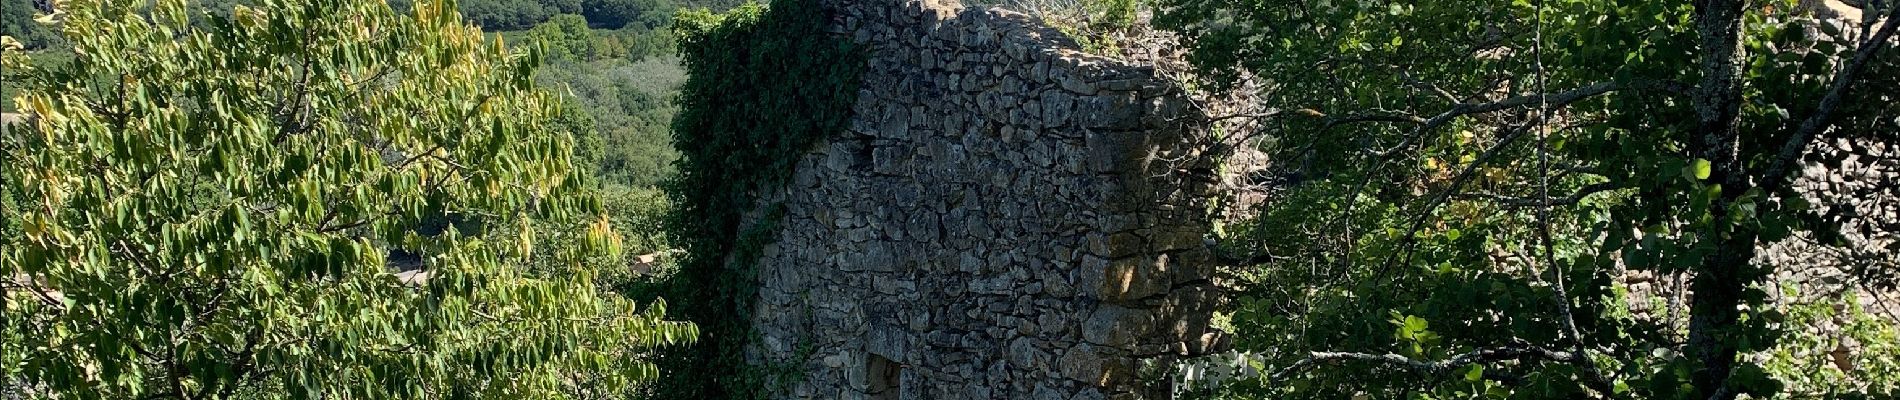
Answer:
(1811, 127)
(1381, 116)
(1424, 367)
(1258, 115)
(1464, 176)
(1434, 89)
(1441, 367)
(1225, 257)
(1572, 199)
(1553, 100)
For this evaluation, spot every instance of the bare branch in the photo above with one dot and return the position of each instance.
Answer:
(1258, 115)
(1440, 367)
(1434, 89)
(1572, 199)
(1424, 367)
(1379, 116)
(1554, 101)
(1251, 258)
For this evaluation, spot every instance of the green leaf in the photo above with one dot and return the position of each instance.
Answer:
(1698, 169)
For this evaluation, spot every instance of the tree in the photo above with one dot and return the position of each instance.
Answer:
(615, 14)
(1465, 179)
(312, 199)
(566, 37)
(506, 15)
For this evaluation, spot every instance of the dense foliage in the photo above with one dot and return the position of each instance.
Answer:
(607, 14)
(1466, 179)
(568, 38)
(509, 14)
(16, 20)
(765, 84)
(644, 14)
(621, 110)
(311, 199)
(565, 37)
(631, 107)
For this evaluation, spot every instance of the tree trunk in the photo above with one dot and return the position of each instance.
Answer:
(1713, 314)
(1719, 281)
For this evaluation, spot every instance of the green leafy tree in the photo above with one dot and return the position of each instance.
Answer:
(1462, 182)
(510, 15)
(506, 15)
(615, 14)
(312, 199)
(566, 38)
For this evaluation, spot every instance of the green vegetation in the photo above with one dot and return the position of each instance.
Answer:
(16, 20)
(644, 14)
(606, 14)
(565, 37)
(632, 109)
(622, 111)
(16, 79)
(619, 87)
(1443, 210)
(239, 199)
(765, 85)
(221, 210)
(509, 14)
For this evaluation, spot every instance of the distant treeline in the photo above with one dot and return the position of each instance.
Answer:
(16, 16)
(510, 15)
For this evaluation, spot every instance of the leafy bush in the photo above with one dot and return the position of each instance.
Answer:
(639, 213)
(568, 38)
(634, 43)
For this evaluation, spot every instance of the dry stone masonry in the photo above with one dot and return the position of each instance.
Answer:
(1006, 217)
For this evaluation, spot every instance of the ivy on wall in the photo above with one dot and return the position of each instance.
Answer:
(767, 84)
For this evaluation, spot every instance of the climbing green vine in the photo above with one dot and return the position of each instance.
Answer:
(766, 85)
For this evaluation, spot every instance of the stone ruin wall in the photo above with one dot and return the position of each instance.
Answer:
(999, 221)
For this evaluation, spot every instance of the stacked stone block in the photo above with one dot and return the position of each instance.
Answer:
(1006, 217)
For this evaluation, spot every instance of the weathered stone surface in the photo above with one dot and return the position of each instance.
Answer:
(993, 225)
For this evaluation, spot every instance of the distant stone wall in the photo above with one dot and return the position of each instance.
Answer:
(1006, 218)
